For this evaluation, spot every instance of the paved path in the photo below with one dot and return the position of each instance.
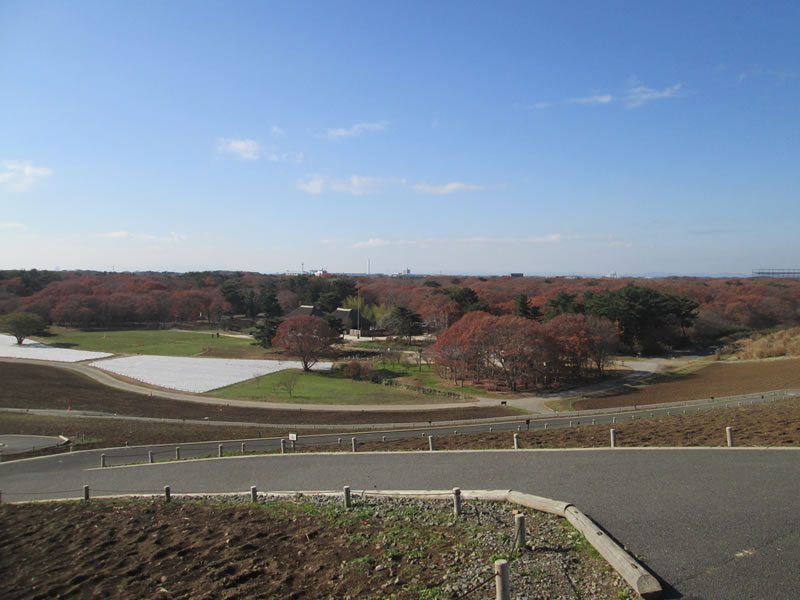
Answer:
(535, 404)
(15, 444)
(711, 523)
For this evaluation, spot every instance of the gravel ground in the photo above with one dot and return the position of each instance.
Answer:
(212, 547)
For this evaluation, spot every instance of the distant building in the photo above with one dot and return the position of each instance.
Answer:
(307, 310)
(348, 317)
(517, 275)
(351, 321)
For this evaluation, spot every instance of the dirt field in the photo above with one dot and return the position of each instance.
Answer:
(34, 386)
(399, 549)
(773, 424)
(718, 379)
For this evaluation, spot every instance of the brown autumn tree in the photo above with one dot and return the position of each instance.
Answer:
(309, 338)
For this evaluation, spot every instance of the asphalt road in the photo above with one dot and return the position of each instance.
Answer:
(711, 523)
(13, 444)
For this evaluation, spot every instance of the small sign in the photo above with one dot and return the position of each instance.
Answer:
(292, 437)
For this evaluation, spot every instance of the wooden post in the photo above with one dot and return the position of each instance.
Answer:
(294, 444)
(456, 502)
(594, 422)
(339, 442)
(102, 460)
(519, 530)
(431, 444)
(501, 583)
(86, 493)
(177, 453)
(613, 438)
(243, 447)
(283, 446)
(729, 435)
(545, 425)
(166, 493)
(150, 456)
(253, 494)
(516, 441)
(354, 442)
(455, 432)
(570, 423)
(348, 503)
(220, 451)
(491, 429)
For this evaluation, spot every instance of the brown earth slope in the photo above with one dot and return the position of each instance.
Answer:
(717, 379)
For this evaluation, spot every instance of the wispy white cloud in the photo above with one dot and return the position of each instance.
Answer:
(373, 243)
(143, 237)
(549, 238)
(312, 184)
(8, 226)
(21, 175)
(355, 130)
(596, 99)
(277, 131)
(639, 94)
(448, 188)
(534, 106)
(295, 157)
(243, 149)
(358, 185)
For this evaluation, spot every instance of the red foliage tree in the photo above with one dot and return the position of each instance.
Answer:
(309, 338)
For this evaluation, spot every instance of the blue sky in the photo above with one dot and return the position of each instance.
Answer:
(455, 137)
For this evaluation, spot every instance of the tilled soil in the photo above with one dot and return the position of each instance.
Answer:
(303, 548)
(717, 380)
(772, 424)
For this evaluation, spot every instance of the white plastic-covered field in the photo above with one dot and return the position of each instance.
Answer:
(36, 351)
(195, 374)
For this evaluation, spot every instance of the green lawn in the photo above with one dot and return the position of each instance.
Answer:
(161, 342)
(429, 377)
(324, 388)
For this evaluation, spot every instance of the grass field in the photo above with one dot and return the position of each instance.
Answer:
(324, 388)
(159, 342)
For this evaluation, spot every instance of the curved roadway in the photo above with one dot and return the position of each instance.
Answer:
(711, 523)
